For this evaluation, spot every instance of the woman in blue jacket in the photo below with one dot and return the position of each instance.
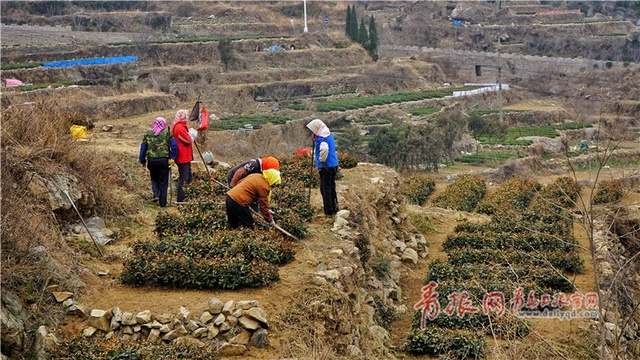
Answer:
(326, 160)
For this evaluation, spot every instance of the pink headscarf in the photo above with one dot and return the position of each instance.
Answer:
(181, 115)
(159, 124)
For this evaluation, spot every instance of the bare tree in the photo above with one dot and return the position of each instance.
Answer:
(612, 270)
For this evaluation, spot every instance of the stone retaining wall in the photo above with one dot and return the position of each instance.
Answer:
(235, 325)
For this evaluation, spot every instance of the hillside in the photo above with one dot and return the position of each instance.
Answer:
(350, 289)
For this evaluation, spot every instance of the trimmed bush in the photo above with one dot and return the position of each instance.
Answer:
(562, 192)
(457, 344)
(417, 188)
(514, 194)
(463, 194)
(346, 160)
(608, 191)
(196, 251)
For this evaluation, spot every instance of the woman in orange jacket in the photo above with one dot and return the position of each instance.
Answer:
(254, 187)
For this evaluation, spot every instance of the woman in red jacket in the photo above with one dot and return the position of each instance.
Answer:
(185, 151)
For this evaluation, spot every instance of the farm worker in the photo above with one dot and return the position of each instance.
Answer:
(326, 160)
(254, 187)
(158, 151)
(584, 145)
(303, 151)
(184, 137)
(252, 166)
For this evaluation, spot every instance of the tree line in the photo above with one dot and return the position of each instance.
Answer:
(368, 38)
(421, 147)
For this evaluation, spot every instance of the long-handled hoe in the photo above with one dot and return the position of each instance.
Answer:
(258, 214)
(83, 222)
(226, 187)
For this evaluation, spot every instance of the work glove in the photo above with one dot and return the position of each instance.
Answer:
(143, 165)
(171, 162)
(272, 223)
(194, 134)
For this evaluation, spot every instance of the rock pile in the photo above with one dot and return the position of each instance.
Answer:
(232, 326)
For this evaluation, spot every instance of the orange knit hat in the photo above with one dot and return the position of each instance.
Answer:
(270, 163)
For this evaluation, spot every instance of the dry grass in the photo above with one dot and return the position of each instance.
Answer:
(270, 140)
(320, 322)
(36, 142)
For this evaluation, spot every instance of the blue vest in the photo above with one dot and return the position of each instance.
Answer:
(332, 158)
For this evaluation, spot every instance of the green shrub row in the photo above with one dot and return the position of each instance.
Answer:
(301, 168)
(180, 271)
(366, 101)
(206, 211)
(509, 270)
(268, 247)
(539, 218)
(562, 193)
(490, 157)
(457, 344)
(197, 251)
(90, 349)
(506, 325)
(550, 131)
(368, 121)
(235, 122)
(201, 222)
(27, 65)
(528, 245)
(526, 241)
(425, 111)
(569, 262)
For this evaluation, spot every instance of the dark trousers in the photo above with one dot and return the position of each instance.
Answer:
(159, 171)
(238, 215)
(184, 177)
(328, 189)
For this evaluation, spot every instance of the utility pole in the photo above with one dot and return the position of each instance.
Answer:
(499, 81)
(306, 29)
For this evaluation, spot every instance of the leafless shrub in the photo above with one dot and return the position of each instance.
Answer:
(387, 76)
(269, 140)
(536, 150)
(36, 140)
(519, 167)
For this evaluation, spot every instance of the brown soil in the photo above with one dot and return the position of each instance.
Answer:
(105, 292)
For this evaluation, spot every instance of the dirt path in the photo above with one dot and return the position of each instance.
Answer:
(105, 292)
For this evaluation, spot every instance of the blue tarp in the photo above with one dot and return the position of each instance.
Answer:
(275, 48)
(94, 61)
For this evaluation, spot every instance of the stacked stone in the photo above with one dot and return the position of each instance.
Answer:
(384, 221)
(237, 324)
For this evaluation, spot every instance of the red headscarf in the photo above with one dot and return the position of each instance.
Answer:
(270, 163)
